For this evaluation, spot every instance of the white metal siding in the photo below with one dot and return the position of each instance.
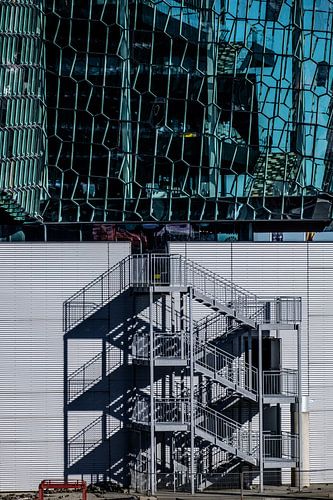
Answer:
(304, 269)
(321, 358)
(35, 280)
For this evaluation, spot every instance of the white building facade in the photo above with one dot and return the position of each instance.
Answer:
(69, 391)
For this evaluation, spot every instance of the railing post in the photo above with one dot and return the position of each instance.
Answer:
(278, 311)
(182, 354)
(249, 340)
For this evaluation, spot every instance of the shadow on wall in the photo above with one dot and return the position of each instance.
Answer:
(103, 384)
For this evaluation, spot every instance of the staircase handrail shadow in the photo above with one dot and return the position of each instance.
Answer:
(102, 289)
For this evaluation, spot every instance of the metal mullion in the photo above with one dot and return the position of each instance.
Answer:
(2, 49)
(24, 50)
(16, 138)
(2, 155)
(10, 20)
(17, 111)
(28, 139)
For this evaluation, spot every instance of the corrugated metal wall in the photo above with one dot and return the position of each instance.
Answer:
(35, 280)
(304, 269)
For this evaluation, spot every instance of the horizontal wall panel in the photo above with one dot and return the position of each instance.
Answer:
(321, 296)
(270, 268)
(320, 255)
(299, 269)
(216, 257)
(36, 278)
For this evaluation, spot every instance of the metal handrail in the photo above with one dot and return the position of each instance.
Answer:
(166, 410)
(217, 277)
(226, 429)
(281, 446)
(280, 382)
(97, 279)
(214, 359)
(169, 345)
(145, 270)
(172, 410)
(227, 366)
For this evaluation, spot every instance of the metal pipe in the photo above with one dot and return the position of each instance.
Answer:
(250, 358)
(299, 405)
(261, 411)
(152, 405)
(191, 389)
(65, 402)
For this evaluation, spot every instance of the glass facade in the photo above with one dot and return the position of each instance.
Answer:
(23, 179)
(169, 111)
(189, 110)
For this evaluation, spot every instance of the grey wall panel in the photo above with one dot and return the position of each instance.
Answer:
(321, 357)
(288, 269)
(321, 446)
(35, 280)
(217, 256)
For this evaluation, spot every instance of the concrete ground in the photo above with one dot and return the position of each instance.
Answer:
(315, 492)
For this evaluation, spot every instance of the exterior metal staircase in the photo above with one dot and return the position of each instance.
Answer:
(232, 307)
(175, 272)
(211, 361)
(210, 425)
(173, 415)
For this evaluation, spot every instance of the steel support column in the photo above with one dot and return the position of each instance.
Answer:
(192, 409)
(261, 413)
(152, 400)
(249, 346)
(250, 358)
(66, 445)
(299, 405)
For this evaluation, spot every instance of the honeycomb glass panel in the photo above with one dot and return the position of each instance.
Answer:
(166, 110)
(23, 179)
